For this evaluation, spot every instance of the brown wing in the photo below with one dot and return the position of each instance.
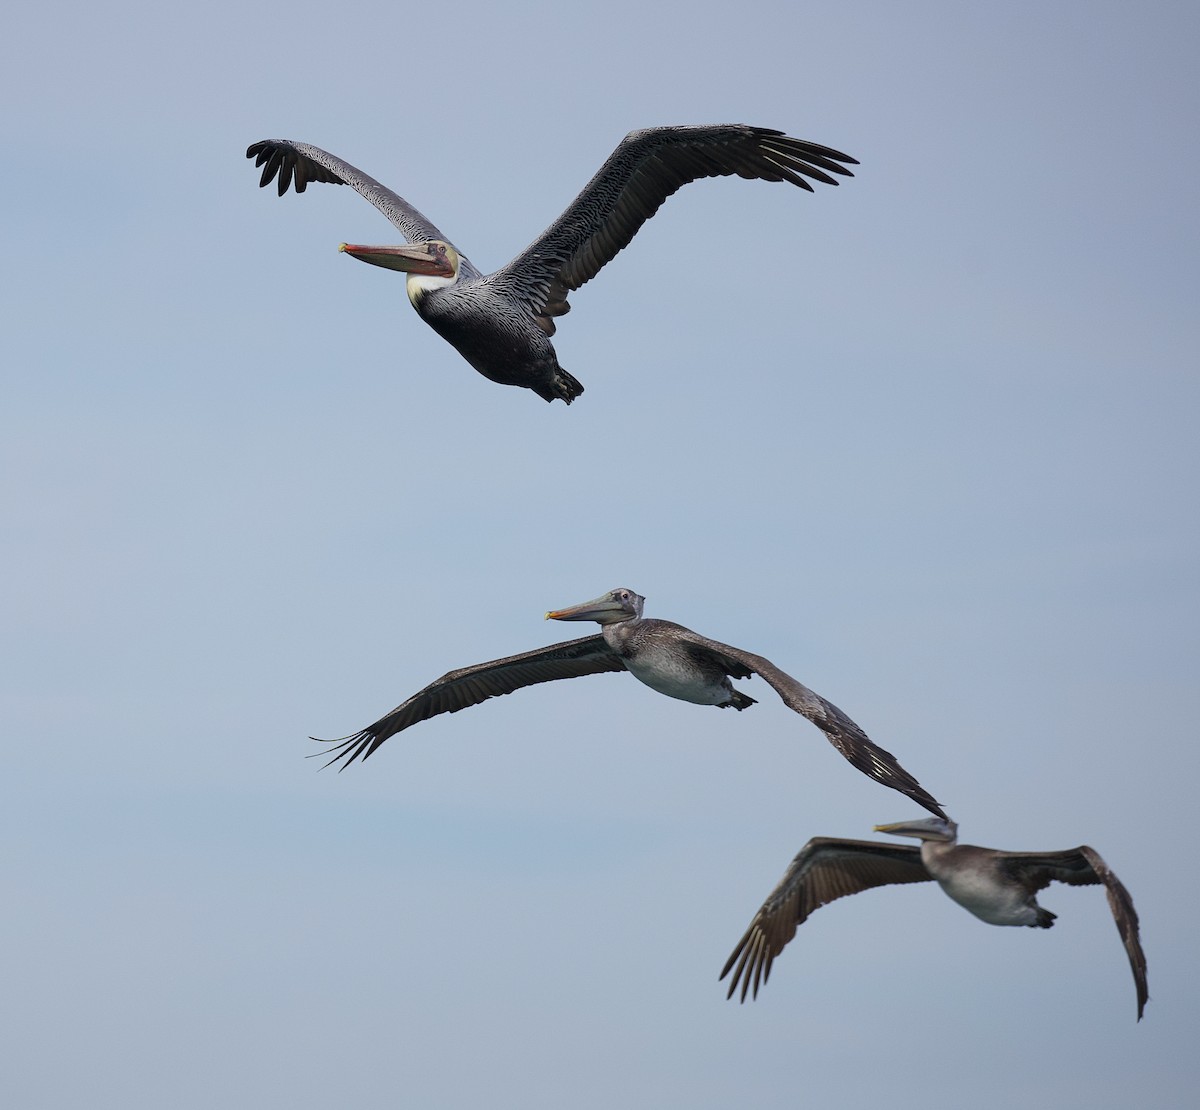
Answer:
(471, 685)
(646, 168)
(825, 869)
(1084, 866)
(839, 729)
(296, 164)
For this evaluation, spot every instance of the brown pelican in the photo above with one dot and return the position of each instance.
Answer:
(501, 322)
(667, 657)
(997, 887)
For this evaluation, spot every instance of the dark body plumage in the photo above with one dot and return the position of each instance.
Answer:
(665, 656)
(997, 887)
(501, 322)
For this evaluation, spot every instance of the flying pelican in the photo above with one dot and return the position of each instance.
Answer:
(997, 887)
(501, 322)
(667, 657)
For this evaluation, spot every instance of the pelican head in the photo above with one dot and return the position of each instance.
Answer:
(611, 608)
(434, 258)
(930, 828)
(430, 265)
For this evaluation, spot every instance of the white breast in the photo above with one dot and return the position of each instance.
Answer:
(997, 905)
(675, 677)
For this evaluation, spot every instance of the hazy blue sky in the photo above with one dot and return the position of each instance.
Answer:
(927, 440)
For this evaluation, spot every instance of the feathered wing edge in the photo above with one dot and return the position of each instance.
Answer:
(839, 729)
(467, 686)
(824, 870)
(646, 168)
(1084, 866)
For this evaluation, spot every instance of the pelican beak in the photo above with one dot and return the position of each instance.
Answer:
(930, 828)
(604, 610)
(420, 258)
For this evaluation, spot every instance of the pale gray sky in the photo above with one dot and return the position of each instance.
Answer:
(927, 440)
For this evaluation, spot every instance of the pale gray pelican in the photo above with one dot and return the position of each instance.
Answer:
(997, 887)
(501, 322)
(667, 657)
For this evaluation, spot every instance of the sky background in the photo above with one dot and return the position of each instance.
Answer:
(927, 441)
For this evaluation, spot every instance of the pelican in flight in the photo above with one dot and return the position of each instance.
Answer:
(501, 322)
(997, 887)
(667, 657)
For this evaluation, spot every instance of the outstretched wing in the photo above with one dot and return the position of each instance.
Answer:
(1084, 866)
(646, 168)
(839, 729)
(825, 869)
(471, 685)
(297, 164)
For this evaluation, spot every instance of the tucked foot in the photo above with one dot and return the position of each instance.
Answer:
(564, 387)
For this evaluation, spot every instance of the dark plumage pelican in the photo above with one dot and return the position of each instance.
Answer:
(667, 657)
(997, 887)
(501, 323)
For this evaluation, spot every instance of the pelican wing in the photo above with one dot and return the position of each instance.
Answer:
(297, 164)
(1084, 866)
(839, 729)
(825, 869)
(471, 685)
(646, 168)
